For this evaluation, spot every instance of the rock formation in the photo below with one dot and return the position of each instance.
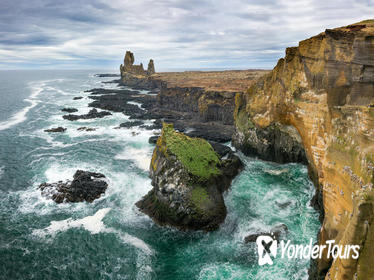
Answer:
(128, 66)
(319, 99)
(151, 68)
(86, 186)
(188, 180)
(92, 114)
(56, 129)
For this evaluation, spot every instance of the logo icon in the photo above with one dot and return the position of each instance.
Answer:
(267, 247)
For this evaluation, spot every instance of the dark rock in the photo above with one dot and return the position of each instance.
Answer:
(69, 110)
(107, 75)
(220, 149)
(277, 142)
(275, 232)
(283, 205)
(130, 124)
(84, 128)
(93, 114)
(153, 139)
(187, 192)
(86, 186)
(77, 97)
(57, 129)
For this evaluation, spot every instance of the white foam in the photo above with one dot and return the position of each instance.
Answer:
(135, 103)
(20, 116)
(141, 157)
(62, 92)
(276, 171)
(94, 224)
(2, 170)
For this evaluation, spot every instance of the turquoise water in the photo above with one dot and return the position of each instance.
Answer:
(110, 238)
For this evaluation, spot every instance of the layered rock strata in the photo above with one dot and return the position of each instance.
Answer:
(317, 105)
(188, 180)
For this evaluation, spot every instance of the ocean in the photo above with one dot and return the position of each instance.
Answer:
(110, 238)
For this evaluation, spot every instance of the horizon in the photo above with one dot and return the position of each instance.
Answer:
(95, 34)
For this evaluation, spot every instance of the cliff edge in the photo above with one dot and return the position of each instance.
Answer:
(317, 106)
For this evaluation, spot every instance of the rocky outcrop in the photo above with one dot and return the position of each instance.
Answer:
(92, 114)
(128, 66)
(56, 129)
(86, 186)
(188, 180)
(320, 97)
(69, 110)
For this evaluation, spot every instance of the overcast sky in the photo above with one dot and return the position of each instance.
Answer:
(175, 33)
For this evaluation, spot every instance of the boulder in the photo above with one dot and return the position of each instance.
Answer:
(86, 186)
(69, 110)
(85, 128)
(56, 129)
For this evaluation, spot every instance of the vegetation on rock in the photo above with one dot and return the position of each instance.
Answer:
(196, 154)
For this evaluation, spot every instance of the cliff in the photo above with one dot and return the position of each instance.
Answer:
(188, 179)
(203, 102)
(317, 106)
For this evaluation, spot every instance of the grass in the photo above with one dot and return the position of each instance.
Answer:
(199, 197)
(196, 154)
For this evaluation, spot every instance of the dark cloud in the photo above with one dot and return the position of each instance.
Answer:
(176, 33)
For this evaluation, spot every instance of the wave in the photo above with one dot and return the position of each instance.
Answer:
(93, 224)
(20, 116)
(141, 157)
(2, 171)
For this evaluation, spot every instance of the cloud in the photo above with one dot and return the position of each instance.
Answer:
(176, 33)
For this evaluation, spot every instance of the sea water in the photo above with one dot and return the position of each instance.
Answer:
(110, 238)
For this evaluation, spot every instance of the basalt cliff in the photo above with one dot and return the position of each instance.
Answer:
(317, 107)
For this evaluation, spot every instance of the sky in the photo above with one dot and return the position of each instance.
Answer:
(177, 34)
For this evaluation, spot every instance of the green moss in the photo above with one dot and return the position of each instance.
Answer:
(199, 197)
(243, 121)
(196, 154)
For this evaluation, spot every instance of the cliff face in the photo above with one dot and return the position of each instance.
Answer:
(207, 105)
(319, 102)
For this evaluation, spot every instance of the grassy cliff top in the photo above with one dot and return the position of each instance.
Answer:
(228, 81)
(196, 154)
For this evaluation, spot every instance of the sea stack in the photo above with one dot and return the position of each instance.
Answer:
(188, 179)
(128, 66)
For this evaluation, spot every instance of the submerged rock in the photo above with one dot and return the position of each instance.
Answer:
(77, 97)
(85, 128)
(69, 110)
(86, 186)
(188, 179)
(275, 232)
(130, 124)
(56, 129)
(92, 114)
